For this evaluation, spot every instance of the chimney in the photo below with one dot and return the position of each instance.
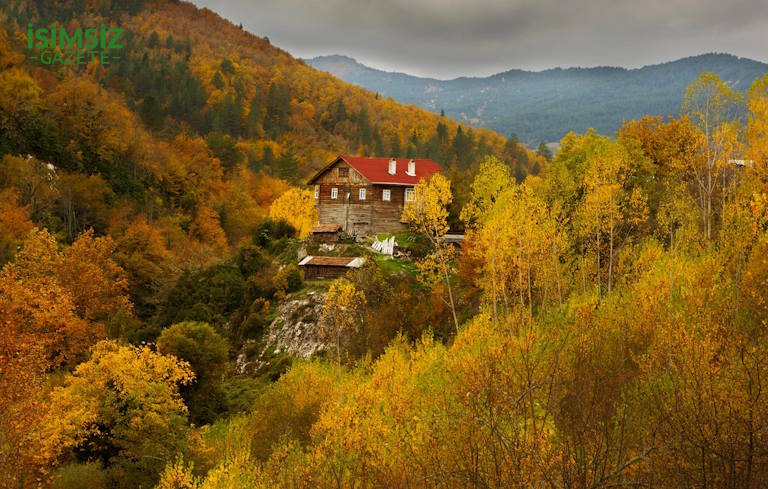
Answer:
(411, 168)
(392, 166)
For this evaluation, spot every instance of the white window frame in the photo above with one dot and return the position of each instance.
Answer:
(386, 195)
(409, 194)
(361, 194)
(334, 193)
(317, 192)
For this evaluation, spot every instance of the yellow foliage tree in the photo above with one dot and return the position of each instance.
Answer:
(342, 312)
(607, 203)
(297, 207)
(757, 127)
(122, 405)
(427, 214)
(712, 106)
(492, 178)
(520, 245)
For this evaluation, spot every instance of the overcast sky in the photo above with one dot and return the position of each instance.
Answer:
(449, 38)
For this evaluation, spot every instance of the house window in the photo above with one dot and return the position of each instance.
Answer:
(386, 194)
(343, 172)
(334, 193)
(317, 192)
(409, 195)
(362, 194)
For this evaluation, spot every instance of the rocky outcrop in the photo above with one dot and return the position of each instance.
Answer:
(295, 330)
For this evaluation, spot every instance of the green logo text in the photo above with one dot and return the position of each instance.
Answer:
(56, 46)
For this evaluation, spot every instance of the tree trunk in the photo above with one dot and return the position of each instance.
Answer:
(557, 275)
(495, 310)
(599, 285)
(610, 258)
(709, 206)
(450, 297)
(444, 267)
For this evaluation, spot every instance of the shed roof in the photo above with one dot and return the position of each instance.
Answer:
(333, 261)
(326, 228)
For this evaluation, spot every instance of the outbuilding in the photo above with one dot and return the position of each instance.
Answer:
(326, 233)
(329, 267)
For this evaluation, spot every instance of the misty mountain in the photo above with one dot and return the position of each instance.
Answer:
(545, 105)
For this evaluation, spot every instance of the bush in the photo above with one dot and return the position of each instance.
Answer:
(76, 476)
(251, 260)
(207, 353)
(271, 231)
(256, 319)
(210, 295)
(288, 279)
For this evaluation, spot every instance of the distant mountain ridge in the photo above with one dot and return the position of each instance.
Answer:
(545, 105)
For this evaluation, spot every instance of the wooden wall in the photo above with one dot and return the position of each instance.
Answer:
(359, 217)
(387, 214)
(316, 272)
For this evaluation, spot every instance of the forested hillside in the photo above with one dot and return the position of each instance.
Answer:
(602, 325)
(545, 105)
(152, 191)
(186, 74)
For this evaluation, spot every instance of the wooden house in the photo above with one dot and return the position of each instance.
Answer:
(320, 267)
(366, 195)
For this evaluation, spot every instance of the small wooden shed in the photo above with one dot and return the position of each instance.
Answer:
(326, 233)
(322, 267)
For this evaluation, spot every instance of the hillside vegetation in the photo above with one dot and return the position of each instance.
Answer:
(602, 325)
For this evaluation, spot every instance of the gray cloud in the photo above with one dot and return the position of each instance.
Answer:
(448, 38)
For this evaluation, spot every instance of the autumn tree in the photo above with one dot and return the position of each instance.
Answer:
(51, 305)
(544, 151)
(341, 313)
(493, 177)
(36, 301)
(427, 215)
(21, 105)
(33, 180)
(288, 408)
(24, 358)
(520, 246)
(297, 207)
(64, 298)
(82, 203)
(123, 407)
(144, 253)
(668, 146)
(712, 106)
(608, 204)
(207, 353)
(14, 223)
(757, 126)
(97, 284)
(206, 227)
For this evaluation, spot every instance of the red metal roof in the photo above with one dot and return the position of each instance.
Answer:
(377, 169)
